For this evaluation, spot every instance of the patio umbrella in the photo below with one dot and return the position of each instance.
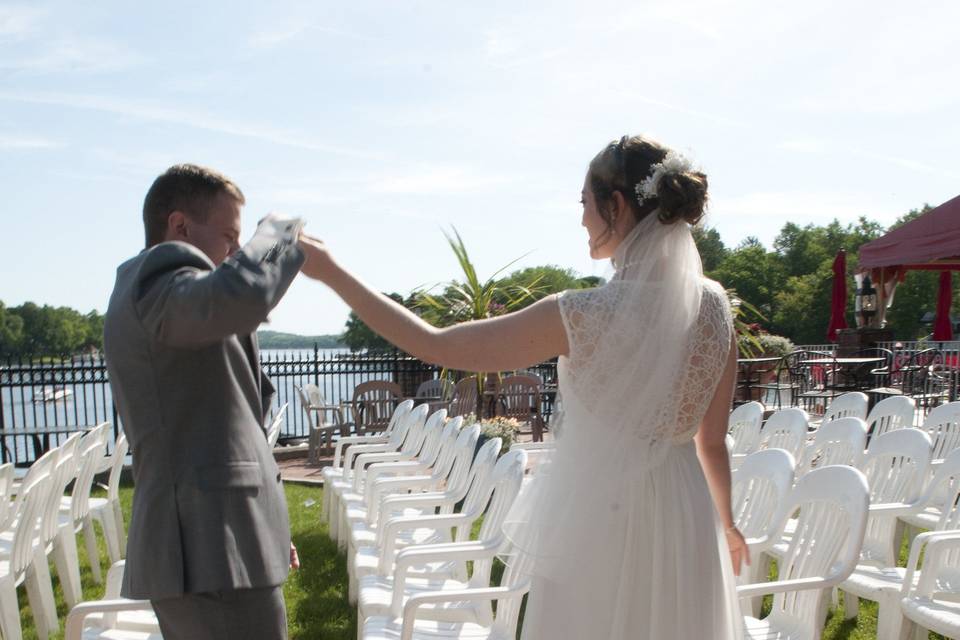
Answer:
(943, 328)
(838, 303)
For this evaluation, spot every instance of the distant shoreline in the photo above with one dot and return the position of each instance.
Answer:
(280, 340)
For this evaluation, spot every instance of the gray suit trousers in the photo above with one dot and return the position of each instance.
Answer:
(254, 614)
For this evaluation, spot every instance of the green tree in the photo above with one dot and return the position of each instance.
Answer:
(358, 336)
(803, 306)
(755, 274)
(541, 281)
(712, 250)
(11, 330)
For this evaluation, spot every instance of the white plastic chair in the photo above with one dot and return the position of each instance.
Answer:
(509, 597)
(447, 494)
(273, 431)
(839, 441)
(743, 426)
(385, 596)
(323, 420)
(23, 561)
(412, 444)
(74, 511)
(107, 510)
(113, 617)
(823, 551)
(895, 412)
(758, 487)
(896, 466)
(337, 473)
(943, 425)
(852, 404)
(422, 519)
(341, 482)
(936, 498)
(932, 601)
(7, 495)
(52, 540)
(786, 429)
(400, 476)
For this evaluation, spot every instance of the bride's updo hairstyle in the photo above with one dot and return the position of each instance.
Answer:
(679, 191)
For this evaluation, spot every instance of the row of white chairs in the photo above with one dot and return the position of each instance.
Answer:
(38, 519)
(906, 490)
(403, 505)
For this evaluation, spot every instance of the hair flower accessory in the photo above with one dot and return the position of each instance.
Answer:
(672, 163)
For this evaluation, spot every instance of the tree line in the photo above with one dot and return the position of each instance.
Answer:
(40, 330)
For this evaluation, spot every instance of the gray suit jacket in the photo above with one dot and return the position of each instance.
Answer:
(209, 511)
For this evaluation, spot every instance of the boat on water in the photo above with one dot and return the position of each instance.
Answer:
(52, 394)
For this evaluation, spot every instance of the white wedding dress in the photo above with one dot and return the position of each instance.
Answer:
(623, 535)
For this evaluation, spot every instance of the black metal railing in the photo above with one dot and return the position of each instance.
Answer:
(43, 400)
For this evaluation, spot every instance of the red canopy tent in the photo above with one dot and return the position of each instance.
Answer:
(930, 242)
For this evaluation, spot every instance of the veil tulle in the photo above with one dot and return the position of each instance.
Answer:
(629, 345)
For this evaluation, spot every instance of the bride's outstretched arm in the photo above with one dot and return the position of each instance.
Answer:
(715, 460)
(508, 342)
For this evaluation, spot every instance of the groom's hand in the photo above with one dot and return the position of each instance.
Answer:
(317, 262)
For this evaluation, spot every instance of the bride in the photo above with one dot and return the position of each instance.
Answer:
(630, 525)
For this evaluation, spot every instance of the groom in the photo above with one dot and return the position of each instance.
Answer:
(209, 539)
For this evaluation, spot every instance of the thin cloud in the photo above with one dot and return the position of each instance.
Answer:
(74, 55)
(11, 142)
(145, 111)
(17, 22)
(437, 181)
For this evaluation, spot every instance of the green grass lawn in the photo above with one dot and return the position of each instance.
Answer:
(316, 595)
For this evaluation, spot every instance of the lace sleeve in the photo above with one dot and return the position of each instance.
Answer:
(709, 348)
(584, 315)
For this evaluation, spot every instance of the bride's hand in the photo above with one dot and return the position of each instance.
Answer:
(318, 260)
(739, 551)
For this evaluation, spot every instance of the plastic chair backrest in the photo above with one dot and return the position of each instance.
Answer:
(433, 437)
(852, 404)
(437, 388)
(786, 429)
(35, 491)
(759, 485)
(273, 431)
(839, 441)
(448, 448)
(118, 459)
(943, 425)
(744, 425)
(479, 492)
(458, 481)
(895, 466)
(504, 485)
(895, 412)
(62, 473)
(833, 503)
(374, 404)
(91, 453)
(6, 494)
(465, 397)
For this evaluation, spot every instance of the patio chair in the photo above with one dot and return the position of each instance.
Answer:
(465, 397)
(386, 594)
(339, 471)
(786, 429)
(791, 378)
(113, 617)
(373, 404)
(758, 487)
(519, 398)
(436, 389)
(930, 602)
(23, 561)
(823, 551)
(107, 510)
(895, 412)
(273, 431)
(743, 426)
(323, 420)
(852, 404)
(840, 441)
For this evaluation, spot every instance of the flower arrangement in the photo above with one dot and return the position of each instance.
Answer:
(499, 427)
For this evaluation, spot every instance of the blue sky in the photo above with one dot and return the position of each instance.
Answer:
(383, 122)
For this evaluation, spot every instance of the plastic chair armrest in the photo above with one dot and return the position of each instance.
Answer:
(74, 626)
(783, 586)
(485, 594)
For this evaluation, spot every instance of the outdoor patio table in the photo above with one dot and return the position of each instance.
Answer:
(853, 367)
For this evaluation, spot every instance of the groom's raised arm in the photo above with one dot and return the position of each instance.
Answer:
(183, 301)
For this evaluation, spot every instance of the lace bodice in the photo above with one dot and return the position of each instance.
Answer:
(618, 387)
